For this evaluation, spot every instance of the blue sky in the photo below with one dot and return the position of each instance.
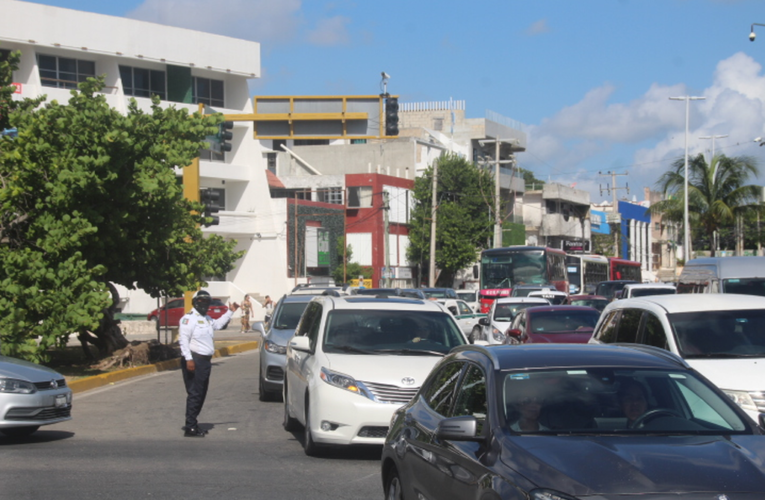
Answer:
(590, 79)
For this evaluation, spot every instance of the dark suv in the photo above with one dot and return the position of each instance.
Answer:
(608, 289)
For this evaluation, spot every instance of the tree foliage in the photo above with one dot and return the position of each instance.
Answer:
(717, 193)
(89, 196)
(464, 221)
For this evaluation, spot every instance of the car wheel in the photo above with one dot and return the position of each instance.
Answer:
(154, 319)
(290, 424)
(309, 446)
(20, 431)
(262, 394)
(393, 485)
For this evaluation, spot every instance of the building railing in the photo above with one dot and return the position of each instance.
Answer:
(450, 105)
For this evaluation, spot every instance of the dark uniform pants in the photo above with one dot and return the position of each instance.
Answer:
(196, 383)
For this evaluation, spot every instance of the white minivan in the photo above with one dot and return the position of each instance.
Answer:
(355, 359)
(745, 275)
(722, 336)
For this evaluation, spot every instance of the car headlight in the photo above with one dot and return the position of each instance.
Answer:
(10, 385)
(274, 347)
(344, 382)
(741, 398)
(549, 495)
(498, 336)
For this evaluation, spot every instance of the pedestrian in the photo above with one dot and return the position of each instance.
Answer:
(268, 304)
(246, 313)
(196, 334)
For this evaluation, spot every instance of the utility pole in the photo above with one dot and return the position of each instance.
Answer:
(715, 242)
(433, 212)
(497, 200)
(616, 217)
(386, 246)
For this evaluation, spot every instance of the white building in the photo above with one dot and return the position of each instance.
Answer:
(60, 47)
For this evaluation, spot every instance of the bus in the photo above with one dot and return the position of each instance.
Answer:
(621, 269)
(585, 272)
(504, 268)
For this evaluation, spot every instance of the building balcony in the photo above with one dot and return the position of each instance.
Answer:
(557, 225)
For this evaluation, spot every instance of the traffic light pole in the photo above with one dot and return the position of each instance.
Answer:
(191, 193)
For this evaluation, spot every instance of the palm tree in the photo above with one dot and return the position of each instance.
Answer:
(717, 194)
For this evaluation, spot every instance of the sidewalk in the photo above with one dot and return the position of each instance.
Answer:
(231, 341)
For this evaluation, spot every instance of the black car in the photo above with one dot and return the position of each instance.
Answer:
(571, 422)
(609, 289)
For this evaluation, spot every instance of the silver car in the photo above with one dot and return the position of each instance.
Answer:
(279, 330)
(31, 395)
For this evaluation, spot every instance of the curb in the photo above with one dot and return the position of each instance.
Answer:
(96, 381)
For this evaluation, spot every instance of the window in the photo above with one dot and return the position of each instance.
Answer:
(471, 397)
(653, 332)
(271, 162)
(331, 195)
(440, 394)
(360, 197)
(607, 332)
(311, 142)
(309, 323)
(142, 82)
(62, 72)
(358, 141)
(210, 155)
(628, 325)
(438, 124)
(208, 91)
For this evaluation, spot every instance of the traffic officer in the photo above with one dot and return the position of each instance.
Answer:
(197, 347)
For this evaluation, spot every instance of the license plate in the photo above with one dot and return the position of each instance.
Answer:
(61, 401)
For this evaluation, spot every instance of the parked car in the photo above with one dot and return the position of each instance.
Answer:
(553, 325)
(720, 335)
(353, 360)
(471, 297)
(171, 313)
(608, 289)
(595, 301)
(31, 396)
(273, 345)
(631, 290)
(501, 315)
(466, 317)
(558, 422)
(440, 293)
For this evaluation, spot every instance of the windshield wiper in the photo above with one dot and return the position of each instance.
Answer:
(410, 351)
(347, 348)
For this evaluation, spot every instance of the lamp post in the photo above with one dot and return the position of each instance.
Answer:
(751, 31)
(687, 238)
(713, 137)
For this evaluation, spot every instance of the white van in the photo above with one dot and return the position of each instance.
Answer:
(743, 275)
(642, 289)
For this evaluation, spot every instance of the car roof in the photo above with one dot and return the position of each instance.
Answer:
(564, 356)
(648, 285)
(561, 307)
(522, 300)
(690, 302)
(732, 267)
(298, 298)
(362, 302)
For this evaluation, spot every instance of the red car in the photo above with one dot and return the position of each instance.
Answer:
(553, 325)
(175, 312)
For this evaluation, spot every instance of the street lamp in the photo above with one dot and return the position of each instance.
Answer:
(751, 31)
(687, 239)
(713, 137)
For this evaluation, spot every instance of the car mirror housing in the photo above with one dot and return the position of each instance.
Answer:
(458, 429)
(483, 321)
(300, 343)
(513, 332)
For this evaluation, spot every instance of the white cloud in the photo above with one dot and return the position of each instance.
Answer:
(330, 31)
(572, 144)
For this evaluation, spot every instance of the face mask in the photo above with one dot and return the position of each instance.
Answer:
(202, 307)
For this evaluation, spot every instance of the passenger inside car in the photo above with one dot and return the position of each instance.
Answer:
(633, 400)
(526, 402)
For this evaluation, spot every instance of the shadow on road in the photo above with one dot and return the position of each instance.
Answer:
(41, 436)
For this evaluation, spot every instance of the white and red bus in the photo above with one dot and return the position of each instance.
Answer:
(504, 268)
(586, 271)
(622, 269)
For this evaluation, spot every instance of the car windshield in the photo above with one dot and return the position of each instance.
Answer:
(506, 312)
(599, 400)
(564, 321)
(642, 292)
(395, 331)
(746, 286)
(598, 304)
(467, 296)
(720, 334)
(288, 315)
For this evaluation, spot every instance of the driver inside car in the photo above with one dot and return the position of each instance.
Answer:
(633, 401)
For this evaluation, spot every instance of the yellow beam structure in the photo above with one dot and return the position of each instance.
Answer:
(191, 193)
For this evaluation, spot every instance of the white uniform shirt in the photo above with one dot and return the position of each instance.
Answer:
(196, 333)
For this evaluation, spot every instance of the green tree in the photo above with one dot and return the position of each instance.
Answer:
(464, 216)
(89, 197)
(351, 270)
(717, 193)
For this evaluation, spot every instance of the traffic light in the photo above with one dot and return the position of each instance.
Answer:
(225, 135)
(391, 116)
(209, 198)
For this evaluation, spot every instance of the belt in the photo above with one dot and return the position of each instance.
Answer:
(201, 355)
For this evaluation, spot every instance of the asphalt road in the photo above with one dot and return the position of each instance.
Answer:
(125, 442)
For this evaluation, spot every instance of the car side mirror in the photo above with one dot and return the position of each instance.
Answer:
(458, 429)
(483, 321)
(301, 343)
(514, 332)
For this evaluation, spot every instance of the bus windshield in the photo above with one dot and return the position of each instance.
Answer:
(507, 270)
